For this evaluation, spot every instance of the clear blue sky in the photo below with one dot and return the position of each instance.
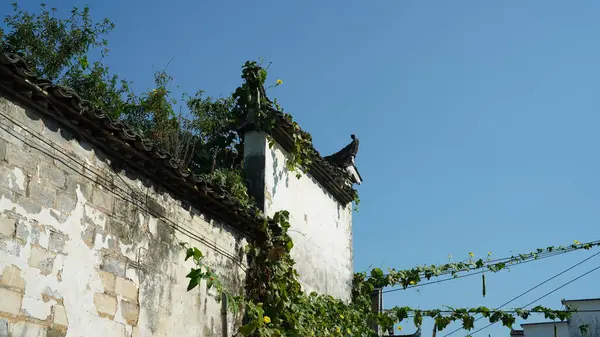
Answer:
(478, 120)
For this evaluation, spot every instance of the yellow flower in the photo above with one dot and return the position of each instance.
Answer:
(399, 328)
(471, 254)
(341, 316)
(576, 242)
(267, 319)
(489, 253)
(413, 282)
(279, 82)
(338, 329)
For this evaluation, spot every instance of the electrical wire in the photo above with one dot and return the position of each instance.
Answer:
(533, 288)
(138, 203)
(470, 274)
(125, 196)
(515, 311)
(510, 260)
(545, 295)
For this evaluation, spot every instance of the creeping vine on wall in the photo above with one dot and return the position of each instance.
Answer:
(203, 136)
(275, 304)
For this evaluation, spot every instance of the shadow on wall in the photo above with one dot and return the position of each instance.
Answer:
(122, 202)
(280, 174)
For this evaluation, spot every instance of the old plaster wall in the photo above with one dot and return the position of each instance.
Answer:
(545, 329)
(89, 250)
(588, 316)
(320, 226)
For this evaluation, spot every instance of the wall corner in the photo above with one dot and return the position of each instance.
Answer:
(255, 150)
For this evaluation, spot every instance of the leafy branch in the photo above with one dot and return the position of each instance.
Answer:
(443, 318)
(275, 304)
(411, 277)
(203, 272)
(252, 103)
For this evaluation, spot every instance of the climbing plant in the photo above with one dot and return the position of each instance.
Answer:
(411, 277)
(71, 51)
(252, 103)
(58, 48)
(275, 304)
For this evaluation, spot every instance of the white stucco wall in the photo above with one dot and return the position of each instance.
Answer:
(591, 319)
(79, 258)
(589, 315)
(320, 226)
(545, 329)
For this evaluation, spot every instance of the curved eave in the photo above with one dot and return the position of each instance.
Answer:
(332, 178)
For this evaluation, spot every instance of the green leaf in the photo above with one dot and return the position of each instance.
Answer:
(495, 317)
(189, 253)
(508, 320)
(197, 254)
(195, 273)
(468, 322)
(275, 253)
(402, 313)
(248, 329)
(418, 319)
(193, 283)
(83, 61)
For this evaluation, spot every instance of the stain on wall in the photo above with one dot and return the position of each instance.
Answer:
(320, 226)
(87, 248)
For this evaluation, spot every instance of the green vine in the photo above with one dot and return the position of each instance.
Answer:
(443, 318)
(356, 201)
(410, 277)
(203, 272)
(275, 304)
(251, 98)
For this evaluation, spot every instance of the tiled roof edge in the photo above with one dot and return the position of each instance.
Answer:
(333, 178)
(120, 142)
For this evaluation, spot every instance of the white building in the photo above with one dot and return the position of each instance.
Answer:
(92, 218)
(584, 323)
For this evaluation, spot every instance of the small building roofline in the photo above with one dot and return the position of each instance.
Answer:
(543, 323)
(517, 332)
(563, 301)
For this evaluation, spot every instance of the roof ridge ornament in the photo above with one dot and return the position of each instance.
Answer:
(346, 156)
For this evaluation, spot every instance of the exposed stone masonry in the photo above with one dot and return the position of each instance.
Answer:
(89, 249)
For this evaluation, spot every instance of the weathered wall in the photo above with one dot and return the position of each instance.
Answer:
(590, 318)
(545, 329)
(80, 253)
(320, 227)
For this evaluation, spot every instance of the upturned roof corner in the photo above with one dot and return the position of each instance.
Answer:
(345, 159)
(335, 173)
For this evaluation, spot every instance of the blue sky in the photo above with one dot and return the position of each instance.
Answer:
(477, 119)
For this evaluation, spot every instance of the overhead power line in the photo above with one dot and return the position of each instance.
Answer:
(515, 311)
(545, 295)
(533, 288)
(477, 272)
(66, 159)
